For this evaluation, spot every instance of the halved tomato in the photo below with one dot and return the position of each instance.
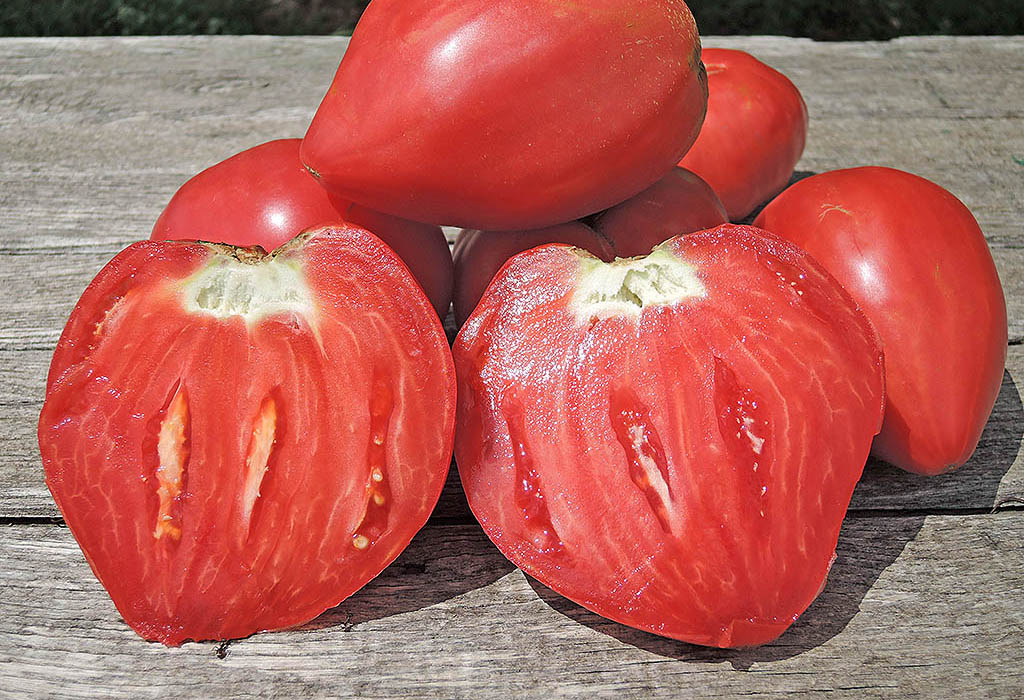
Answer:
(241, 440)
(264, 196)
(670, 441)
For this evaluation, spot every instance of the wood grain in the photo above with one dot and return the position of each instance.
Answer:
(915, 607)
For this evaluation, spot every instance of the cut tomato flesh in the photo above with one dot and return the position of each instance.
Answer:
(240, 441)
(669, 441)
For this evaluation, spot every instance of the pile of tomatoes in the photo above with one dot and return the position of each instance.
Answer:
(659, 414)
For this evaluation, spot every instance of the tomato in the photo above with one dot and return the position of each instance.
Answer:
(480, 254)
(642, 438)
(913, 257)
(754, 133)
(264, 196)
(239, 441)
(508, 115)
(678, 203)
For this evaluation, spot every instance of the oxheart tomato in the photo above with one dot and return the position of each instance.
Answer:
(241, 440)
(680, 202)
(264, 196)
(508, 115)
(670, 441)
(754, 133)
(914, 258)
(480, 254)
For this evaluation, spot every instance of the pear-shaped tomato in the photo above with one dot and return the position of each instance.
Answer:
(914, 258)
(754, 132)
(241, 440)
(670, 441)
(508, 115)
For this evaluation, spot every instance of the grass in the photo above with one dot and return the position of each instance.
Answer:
(826, 20)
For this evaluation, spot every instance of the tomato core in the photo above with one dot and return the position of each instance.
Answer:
(626, 286)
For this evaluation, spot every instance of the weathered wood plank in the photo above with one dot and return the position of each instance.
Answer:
(915, 607)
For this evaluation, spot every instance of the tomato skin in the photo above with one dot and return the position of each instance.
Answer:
(914, 258)
(686, 470)
(584, 114)
(264, 196)
(754, 132)
(354, 377)
(480, 254)
(680, 202)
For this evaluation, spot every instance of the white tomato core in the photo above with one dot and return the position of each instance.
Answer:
(627, 286)
(252, 288)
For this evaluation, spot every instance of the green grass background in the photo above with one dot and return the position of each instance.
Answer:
(818, 19)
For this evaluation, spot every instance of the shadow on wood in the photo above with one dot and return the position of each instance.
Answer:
(440, 563)
(978, 481)
(870, 541)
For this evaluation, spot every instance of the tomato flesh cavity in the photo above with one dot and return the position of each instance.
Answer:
(914, 258)
(670, 441)
(241, 440)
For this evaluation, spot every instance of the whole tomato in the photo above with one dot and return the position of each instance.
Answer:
(480, 254)
(264, 196)
(754, 132)
(508, 115)
(915, 260)
(680, 202)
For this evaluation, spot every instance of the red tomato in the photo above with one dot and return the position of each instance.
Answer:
(640, 436)
(678, 203)
(480, 254)
(239, 441)
(508, 115)
(264, 196)
(754, 132)
(915, 260)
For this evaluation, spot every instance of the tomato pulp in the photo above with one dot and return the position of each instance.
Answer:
(670, 441)
(241, 440)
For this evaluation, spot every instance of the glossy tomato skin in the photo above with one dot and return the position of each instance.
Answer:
(754, 132)
(914, 258)
(239, 441)
(443, 113)
(680, 202)
(480, 254)
(264, 196)
(682, 468)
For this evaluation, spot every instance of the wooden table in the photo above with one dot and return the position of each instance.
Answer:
(926, 598)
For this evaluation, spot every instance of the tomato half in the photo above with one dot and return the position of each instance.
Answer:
(914, 258)
(480, 254)
(670, 441)
(680, 202)
(508, 115)
(239, 441)
(264, 196)
(754, 132)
